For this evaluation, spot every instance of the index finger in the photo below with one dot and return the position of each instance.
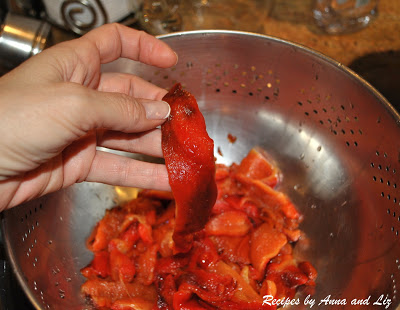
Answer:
(115, 40)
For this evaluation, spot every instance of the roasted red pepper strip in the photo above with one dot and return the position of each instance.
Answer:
(189, 157)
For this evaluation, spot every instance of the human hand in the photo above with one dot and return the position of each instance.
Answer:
(58, 106)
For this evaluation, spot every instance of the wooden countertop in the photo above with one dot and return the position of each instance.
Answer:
(383, 34)
(292, 20)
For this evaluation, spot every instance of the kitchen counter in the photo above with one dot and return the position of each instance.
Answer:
(292, 20)
(373, 52)
(295, 23)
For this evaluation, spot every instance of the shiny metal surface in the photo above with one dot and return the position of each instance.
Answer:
(20, 38)
(333, 136)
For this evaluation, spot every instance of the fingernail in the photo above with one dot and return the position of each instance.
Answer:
(177, 59)
(156, 109)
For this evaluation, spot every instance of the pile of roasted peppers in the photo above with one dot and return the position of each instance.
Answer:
(222, 240)
(243, 254)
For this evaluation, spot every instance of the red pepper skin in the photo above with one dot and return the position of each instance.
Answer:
(189, 158)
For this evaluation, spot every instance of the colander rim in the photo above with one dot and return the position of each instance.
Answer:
(338, 65)
(313, 53)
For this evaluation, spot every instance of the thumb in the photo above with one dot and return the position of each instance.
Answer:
(120, 112)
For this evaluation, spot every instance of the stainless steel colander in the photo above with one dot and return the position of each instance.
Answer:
(334, 137)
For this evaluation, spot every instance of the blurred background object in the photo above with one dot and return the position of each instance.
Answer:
(344, 16)
(21, 37)
(164, 16)
(382, 70)
(241, 15)
(81, 16)
(160, 17)
(32, 8)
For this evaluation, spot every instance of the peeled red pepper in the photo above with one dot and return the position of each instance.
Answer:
(189, 158)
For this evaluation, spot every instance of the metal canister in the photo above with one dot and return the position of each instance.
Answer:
(20, 38)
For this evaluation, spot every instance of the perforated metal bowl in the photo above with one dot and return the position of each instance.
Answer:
(335, 138)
